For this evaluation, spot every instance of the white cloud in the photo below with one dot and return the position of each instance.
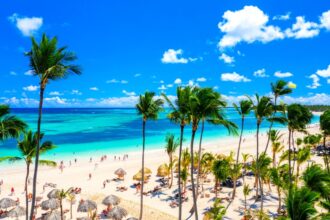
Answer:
(192, 83)
(227, 59)
(173, 56)
(27, 25)
(234, 77)
(13, 73)
(315, 82)
(303, 29)
(325, 20)
(324, 73)
(29, 73)
(30, 88)
(282, 17)
(201, 79)
(55, 93)
(162, 87)
(169, 85)
(161, 81)
(76, 92)
(261, 73)
(117, 81)
(94, 89)
(137, 74)
(56, 100)
(292, 85)
(247, 25)
(328, 81)
(129, 93)
(280, 74)
(177, 81)
(316, 99)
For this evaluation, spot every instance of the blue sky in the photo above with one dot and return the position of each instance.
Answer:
(127, 47)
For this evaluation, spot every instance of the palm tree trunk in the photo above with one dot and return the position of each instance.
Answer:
(290, 176)
(279, 199)
(237, 156)
(70, 209)
(142, 184)
(61, 209)
(192, 172)
(326, 161)
(298, 167)
(26, 191)
(36, 165)
(294, 154)
(200, 156)
(274, 159)
(257, 160)
(179, 167)
(271, 126)
(171, 166)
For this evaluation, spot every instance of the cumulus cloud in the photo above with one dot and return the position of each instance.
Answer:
(55, 93)
(169, 85)
(30, 88)
(328, 81)
(177, 81)
(93, 88)
(226, 59)
(162, 87)
(27, 25)
(201, 79)
(324, 73)
(234, 77)
(283, 17)
(280, 74)
(29, 73)
(315, 81)
(117, 81)
(137, 74)
(175, 56)
(261, 73)
(316, 99)
(325, 20)
(13, 73)
(128, 93)
(56, 100)
(247, 25)
(292, 85)
(303, 29)
(76, 92)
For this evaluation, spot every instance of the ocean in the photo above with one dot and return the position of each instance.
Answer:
(90, 131)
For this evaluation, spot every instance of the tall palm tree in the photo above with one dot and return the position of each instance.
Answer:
(27, 149)
(263, 108)
(302, 156)
(300, 203)
(148, 107)
(275, 137)
(279, 88)
(171, 145)
(298, 117)
(325, 127)
(180, 115)
(244, 108)
(206, 166)
(49, 62)
(276, 176)
(246, 192)
(245, 158)
(10, 125)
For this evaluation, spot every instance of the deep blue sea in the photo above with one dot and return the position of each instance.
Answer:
(112, 130)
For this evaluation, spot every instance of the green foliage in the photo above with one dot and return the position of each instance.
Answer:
(148, 106)
(217, 212)
(325, 122)
(220, 169)
(298, 117)
(318, 108)
(171, 144)
(312, 139)
(10, 125)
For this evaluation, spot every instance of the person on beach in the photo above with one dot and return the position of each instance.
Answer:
(90, 160)
(1, 183)
(75, 160)
(90, 176)
(104, 184)
(12, 190)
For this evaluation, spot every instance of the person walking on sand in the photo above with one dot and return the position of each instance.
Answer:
(1, 183)
(90, 176)
(12, 190)
(104, 184)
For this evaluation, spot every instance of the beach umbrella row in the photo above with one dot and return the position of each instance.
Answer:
(111, 200)
(86, 206)
(51, 204)
(16, 212)
(117, 213)
(7, 203)
(163, 170)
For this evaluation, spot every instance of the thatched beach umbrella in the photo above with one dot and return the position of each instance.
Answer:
(55, 215)
(117, 213)
(138, 177)
(111, 200)
(7, 202)
(120, 173)
(16, 212)
(163, 170)
(87, 206)
(146, 171)
(53, 194)
(51, 204)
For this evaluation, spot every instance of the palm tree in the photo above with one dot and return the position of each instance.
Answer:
(244, 108)
(246, 192)
(325, 127)
(263, 108)
(180, 115)
(217, 212)
(298, 117)
(71, 198)
(279, 88)
(302, 156)
(27, 148)
(277, 179)
(245, 158)
(206, 166)
(10, 125)
(234, 173)
(149, 108)
(171, 146)
(220, 170)
(49, 63)
(275, 137)
(62, 194)
(300, 203)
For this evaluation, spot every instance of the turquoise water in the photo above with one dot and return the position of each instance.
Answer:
(94, 131)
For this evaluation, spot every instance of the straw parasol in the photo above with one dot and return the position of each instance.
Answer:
(86, 206)
(146, 171)
(163, 170)
(7, 202)
(53, 194)
(50, 204)
(138, 177)
(55, 215)
(16, 212)
(111, 200)
(117, 213)
(120, 172)
(132, 218)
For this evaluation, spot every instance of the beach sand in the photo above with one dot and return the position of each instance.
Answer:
(157, 206)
